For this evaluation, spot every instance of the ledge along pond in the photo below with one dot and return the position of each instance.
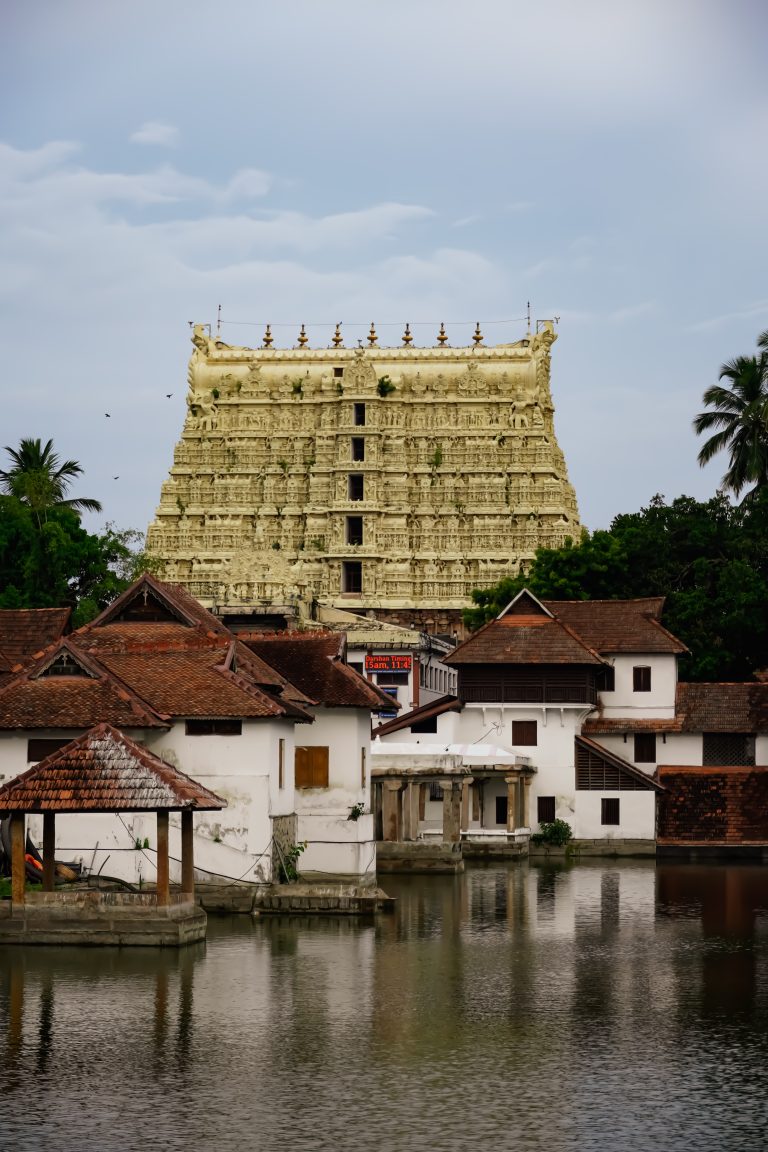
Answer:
(600, 1005)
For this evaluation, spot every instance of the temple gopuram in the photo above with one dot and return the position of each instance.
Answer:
(388, 481)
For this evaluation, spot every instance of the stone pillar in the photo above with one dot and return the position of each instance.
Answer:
(451, 811)
(163, 876)
(527, 781)
(18, 869)
(187, 854)
(466, 789)
(512, 783)
(390, 809)
(411, 811)
(49, 851)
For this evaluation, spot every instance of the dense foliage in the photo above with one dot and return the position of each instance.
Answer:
(709, 559)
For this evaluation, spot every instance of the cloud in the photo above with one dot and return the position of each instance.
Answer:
(157, 133)
(760, 308)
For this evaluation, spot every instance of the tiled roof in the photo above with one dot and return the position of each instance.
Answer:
(529, 639)
(195, 684)
(104, 771)
(313, 663)
(723, 707)
(25, 632)
(32, 700)
(173, 601)
(141, 636)
(617, 625)
(598, 726)
(425, 712)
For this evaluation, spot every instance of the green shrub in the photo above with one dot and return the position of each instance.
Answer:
(554, 832)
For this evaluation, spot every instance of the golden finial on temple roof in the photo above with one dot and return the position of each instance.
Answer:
(372, 337)
(477, 335)
(268, 338)
(441, 336)
(407, 338)
(338, 339)
(303, 338)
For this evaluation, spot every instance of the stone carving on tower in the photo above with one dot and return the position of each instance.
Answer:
(387, 479)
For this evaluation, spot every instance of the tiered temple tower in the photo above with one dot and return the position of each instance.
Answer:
(370, 478)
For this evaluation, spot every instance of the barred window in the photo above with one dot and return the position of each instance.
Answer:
(609, 810)
(729, 749)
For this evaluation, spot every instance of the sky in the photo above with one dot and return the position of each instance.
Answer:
(312, 161)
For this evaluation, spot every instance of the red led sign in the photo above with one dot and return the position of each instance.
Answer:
(390, 662)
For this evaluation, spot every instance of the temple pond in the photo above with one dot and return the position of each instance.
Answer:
(594, 1006)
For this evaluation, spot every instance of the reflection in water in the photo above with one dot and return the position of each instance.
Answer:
(616, 1005)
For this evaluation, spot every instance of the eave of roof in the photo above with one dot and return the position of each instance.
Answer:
(425, 712)
(623, 765)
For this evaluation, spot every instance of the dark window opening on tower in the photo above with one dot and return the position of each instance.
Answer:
(356, 489)
(359, 414)
(352, 576)
(354, 529)
(358, 448)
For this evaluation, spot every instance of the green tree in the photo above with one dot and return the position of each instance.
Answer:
(739, 412)
(41, 481)
(710, 561)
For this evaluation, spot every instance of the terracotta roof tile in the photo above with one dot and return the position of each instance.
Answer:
(104, 771)
(598, 726)
(723, 707)
(617, 625)
(425, 712)
(312, 662)
(516, 639)
(25, 632)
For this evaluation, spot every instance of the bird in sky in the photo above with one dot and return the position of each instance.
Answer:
(169, 394)
(115, 477)
(107, 414)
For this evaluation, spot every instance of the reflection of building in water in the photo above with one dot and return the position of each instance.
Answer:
(395, 479)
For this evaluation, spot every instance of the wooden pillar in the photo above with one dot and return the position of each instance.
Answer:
(49, 851)
(411, 811)
(163, 876)
(451, 811)
(512, 783)
(18, 870)
(187, 854)
(390, 809)
(466, 790)
(526, 820)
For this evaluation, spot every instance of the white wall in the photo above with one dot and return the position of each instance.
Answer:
(624, 701)
(637, 811)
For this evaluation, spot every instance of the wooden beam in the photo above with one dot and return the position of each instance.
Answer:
(18, 869)
(187, 854)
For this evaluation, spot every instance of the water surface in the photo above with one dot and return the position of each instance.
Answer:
(597, 1006)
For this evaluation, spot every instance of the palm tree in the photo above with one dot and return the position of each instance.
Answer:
(739, 410)
(40, 481)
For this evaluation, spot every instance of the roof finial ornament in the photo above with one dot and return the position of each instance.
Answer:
(372, 337)
(338, 339)
(268, 338)
(477, 335)
(407, 338)
(303, 338)
(441, 336)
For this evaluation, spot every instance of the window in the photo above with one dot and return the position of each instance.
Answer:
(546, 809)
(609, 810)
(281, 763)
(427, 725)
(501, 810)
(435, 790)
(38, 749)
(392, 678)
(228, 727)
(352, 577)
(524, 732)
(338, 373)
(355, 666)
(311, 767)
(388, 714)
(359, 415)
(358, 448)
(607, 680)
(641, 679)
(729, 749)
(645, 747)
(356, 486)
(354, 529)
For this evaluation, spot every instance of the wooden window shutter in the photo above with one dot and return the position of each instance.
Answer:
(311, 767)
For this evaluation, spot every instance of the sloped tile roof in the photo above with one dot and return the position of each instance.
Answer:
(723, 707)
(25, 632)
(598, 726)
(519, 639)
(313, 663)
(143, 636)
(618, 625)
(33, 700)
(104, 771)
(425, 712)
(174, 600)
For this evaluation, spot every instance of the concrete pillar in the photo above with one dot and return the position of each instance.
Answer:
(390, 809)
(18, 869)
(411, 811)
(423, 793)
(512, 783)
(451, 811)
(466, 789)
(49, 851)
(187, 854)
(163, 875)
(477, 787)
(526, 819)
